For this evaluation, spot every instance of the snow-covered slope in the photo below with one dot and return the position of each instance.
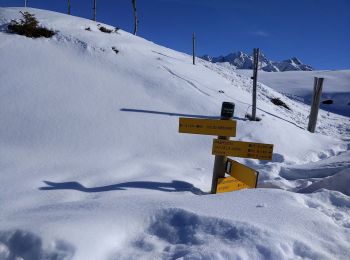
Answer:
(299, 85)
(93, 167)
(241, 60)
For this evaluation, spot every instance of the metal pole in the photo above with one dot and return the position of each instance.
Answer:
(194, 48)
(227, 111)
(318, 83)
(255, 79)
(69, 7)
(25, 3)
(94, 11)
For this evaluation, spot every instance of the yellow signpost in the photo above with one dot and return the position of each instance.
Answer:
(242, 149)
(242, 173)
(229, 184)
(207, 126)
(241, 176)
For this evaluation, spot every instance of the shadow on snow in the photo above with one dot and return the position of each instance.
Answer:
(174, 186)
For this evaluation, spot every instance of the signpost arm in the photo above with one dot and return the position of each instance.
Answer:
(227, 110)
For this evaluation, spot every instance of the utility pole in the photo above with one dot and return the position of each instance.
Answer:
(94, 11)
(69, 7)
(318, 83)
(194, 48)
(255, 79)
(227, 111)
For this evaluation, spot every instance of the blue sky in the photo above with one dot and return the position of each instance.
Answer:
(316, 31)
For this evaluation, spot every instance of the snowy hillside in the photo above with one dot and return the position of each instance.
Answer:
(241, 60)
(92, 165)
(299, 85)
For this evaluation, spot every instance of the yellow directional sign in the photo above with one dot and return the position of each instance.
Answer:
(229, 184)
(242, 173)
(207, 126)
(242, 149)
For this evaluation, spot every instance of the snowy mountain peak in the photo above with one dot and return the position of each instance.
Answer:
(295, 60)
(242, 60)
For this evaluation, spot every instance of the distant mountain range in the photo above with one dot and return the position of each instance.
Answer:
(242, 60)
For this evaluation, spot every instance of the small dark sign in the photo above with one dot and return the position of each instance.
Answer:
(227, 109)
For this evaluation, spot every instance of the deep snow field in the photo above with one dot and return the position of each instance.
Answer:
(92, 165)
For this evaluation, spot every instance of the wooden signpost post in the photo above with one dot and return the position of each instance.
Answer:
(241, 176)
(227, 111)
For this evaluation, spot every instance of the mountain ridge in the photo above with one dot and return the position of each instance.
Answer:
(242, 60)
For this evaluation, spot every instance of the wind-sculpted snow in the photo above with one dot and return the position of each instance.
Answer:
(339, 182)
(319, 169)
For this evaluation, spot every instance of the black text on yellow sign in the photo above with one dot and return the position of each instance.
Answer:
(242, 173)
(242, 149)
(229, 184)
(207, 126)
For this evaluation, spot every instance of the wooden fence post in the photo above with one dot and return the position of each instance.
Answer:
(136, 19)
(227, 111)
(69, 7)
(194, 48)
(94, 10)
(255, 79)
(318, 83)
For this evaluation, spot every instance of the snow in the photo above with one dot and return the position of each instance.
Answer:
(299, 85)
(93, 166)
